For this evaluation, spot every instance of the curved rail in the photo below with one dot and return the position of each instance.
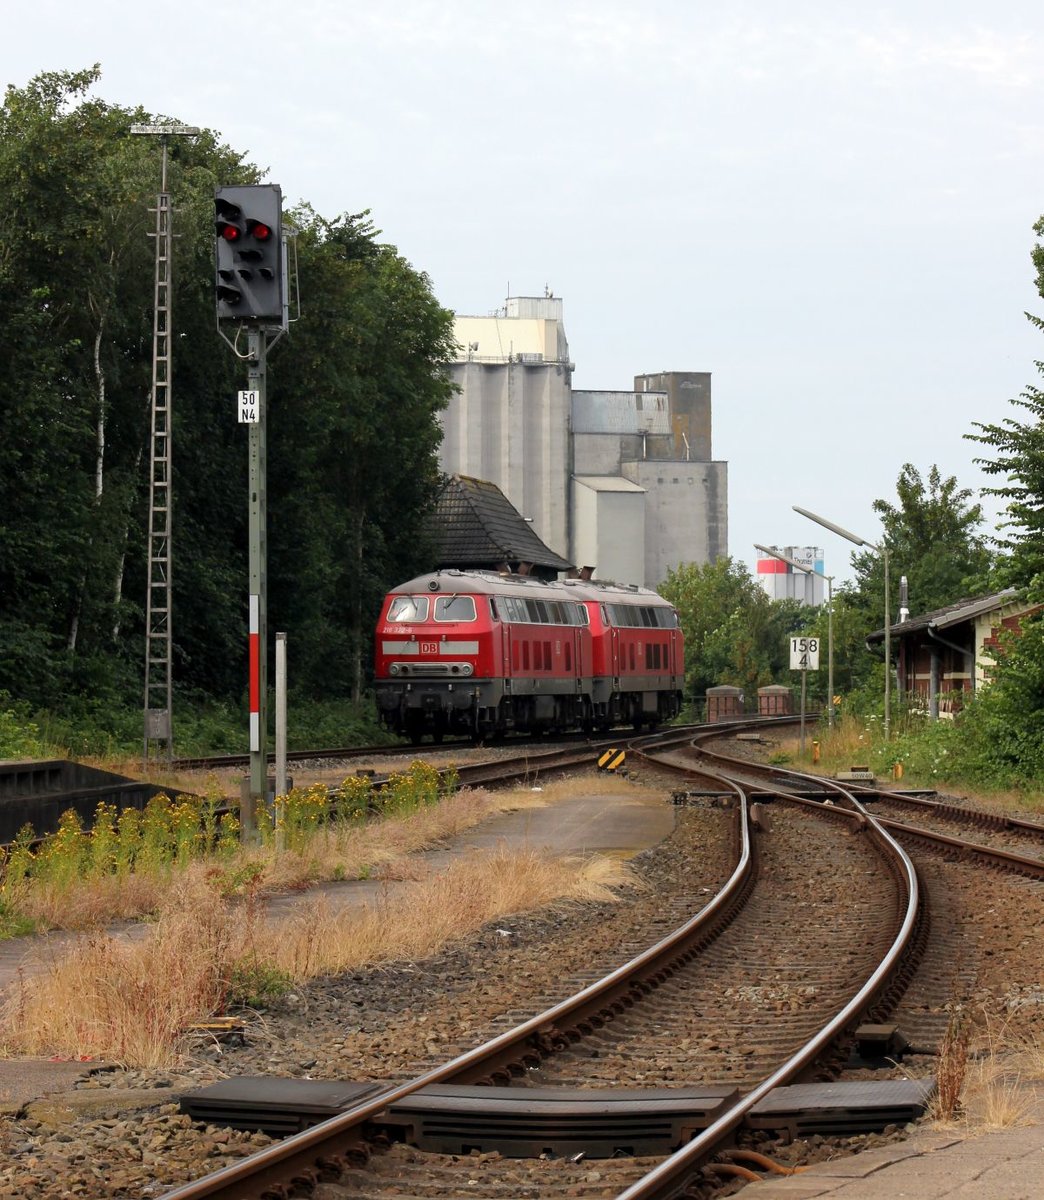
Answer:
(672, 1175)
(335, 1139)
(992, 856)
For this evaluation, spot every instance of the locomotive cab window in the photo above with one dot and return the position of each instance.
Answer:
(455, 608)
(408, 609)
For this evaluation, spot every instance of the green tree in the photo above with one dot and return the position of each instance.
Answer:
(1018, 449)
(734, 634)
(354, 394)
(360, 471)
(933, 538)
(68, 306)
(76, 291)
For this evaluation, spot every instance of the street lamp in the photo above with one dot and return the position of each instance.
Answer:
(792, 562)
(881, 549)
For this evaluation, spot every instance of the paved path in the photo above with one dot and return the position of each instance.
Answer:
(931, 1165)
(589, 823)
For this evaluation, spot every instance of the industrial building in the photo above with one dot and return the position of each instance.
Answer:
(620, 481)
(782, 581)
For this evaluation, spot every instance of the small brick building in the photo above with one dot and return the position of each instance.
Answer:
(941, 655)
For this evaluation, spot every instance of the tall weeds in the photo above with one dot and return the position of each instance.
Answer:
(953, 1066)
(134, 1001)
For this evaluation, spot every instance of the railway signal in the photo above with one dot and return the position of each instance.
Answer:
(250, 292)
(249, 262)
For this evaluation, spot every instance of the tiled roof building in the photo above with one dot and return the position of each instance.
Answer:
(476, 526)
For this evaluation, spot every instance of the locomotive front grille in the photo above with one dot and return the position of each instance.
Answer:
(431, 670)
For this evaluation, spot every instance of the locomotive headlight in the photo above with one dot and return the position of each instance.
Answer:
(393, 669)
(467, 669)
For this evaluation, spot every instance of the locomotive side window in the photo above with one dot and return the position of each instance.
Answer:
(408, 609)
(582, 615)
(455, 608)
(537, 611)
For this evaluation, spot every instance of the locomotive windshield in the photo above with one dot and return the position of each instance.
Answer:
(408, 609)
(455, 608)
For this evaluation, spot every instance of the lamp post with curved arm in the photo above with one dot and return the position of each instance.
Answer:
(881, 549)
(830, 620)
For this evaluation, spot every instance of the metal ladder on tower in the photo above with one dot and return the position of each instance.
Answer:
(159, 736)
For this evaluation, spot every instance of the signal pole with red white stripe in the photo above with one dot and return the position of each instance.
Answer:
(257, 637)
(251, 293)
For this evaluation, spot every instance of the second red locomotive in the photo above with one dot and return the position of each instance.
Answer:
(478, 653)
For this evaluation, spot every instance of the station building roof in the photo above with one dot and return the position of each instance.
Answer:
(477, 526)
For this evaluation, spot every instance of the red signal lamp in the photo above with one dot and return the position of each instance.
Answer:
(259, 230)
(229, 232)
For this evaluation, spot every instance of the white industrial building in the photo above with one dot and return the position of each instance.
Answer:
(783, 581)
(620, 481)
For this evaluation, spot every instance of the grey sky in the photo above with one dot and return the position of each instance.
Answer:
(828, 206)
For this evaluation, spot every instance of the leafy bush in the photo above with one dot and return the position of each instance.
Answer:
(99, 727)
(19, 736)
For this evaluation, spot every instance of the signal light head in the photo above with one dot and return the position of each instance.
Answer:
(248, 254)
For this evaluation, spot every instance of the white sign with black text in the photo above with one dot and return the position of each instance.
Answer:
(249, 407)
(804, 654)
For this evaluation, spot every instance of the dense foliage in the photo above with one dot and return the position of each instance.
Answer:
(734, 634)
(1018, 447)
(354, 393)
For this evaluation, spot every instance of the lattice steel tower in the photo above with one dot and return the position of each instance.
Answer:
(158, 716)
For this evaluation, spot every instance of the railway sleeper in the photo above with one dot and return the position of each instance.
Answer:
(598, 1123)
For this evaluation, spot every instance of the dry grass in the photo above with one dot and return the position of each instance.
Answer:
(126, 1000)
(90, 904)
(132, 1001)
(953, 1065)
(994, 1088)
(417, 919)
(378, 847)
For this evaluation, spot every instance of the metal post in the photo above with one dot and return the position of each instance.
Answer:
(887, 647)
(280, 739)
(830, 650)
(257, 345)
(811, 574)
(804, 677)
(158, 709)
(881, 549)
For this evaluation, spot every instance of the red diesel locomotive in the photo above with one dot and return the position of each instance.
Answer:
(478, 653)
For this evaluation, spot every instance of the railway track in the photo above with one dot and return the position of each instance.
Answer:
(348, 753)
(1006, 843)
(654, 1019)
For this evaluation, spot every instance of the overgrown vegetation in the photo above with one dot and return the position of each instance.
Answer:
(355, 393)
(87, 729)
(211, 947)
(127, 862)
(950, 755)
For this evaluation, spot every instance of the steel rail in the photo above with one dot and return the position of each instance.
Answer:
(670, 1178)
(297, 1157)
(957, 813)
(1007, 860)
